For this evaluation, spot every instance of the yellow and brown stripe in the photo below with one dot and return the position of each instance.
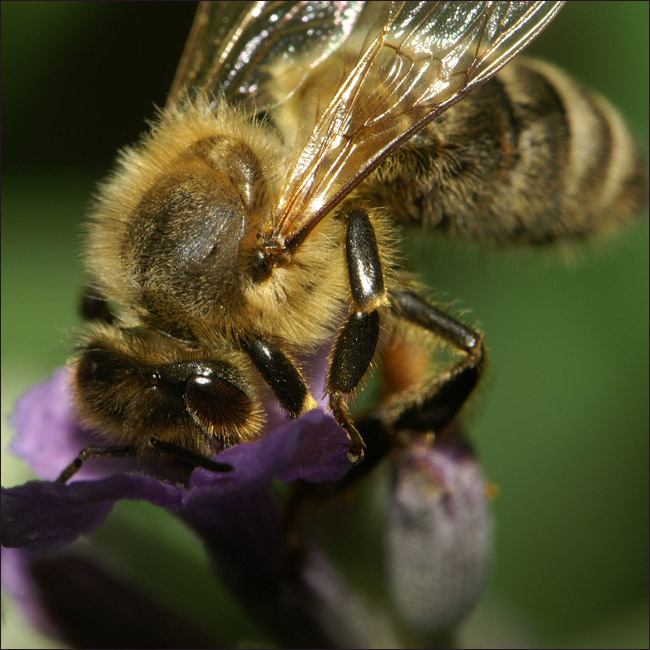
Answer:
(531, 157)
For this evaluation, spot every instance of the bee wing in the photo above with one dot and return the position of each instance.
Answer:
(405, 62)
(412, 60)
(232, 43)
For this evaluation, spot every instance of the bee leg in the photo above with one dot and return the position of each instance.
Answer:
(188, 456)
(355, 344)
(94, 451)
(113, 451)
(281, 375)
(353, 351)
(93, 306)
(419, 410)
(434, 407)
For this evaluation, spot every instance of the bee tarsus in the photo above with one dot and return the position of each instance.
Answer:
(341, 413)
(95, 451)
(126, 451)
(188, 456)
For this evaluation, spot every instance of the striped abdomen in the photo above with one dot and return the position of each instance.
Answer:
(529, 157)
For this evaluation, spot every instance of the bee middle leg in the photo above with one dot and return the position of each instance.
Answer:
(417, 406)
(355, 344)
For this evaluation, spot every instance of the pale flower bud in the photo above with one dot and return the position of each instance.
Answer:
(439, 535)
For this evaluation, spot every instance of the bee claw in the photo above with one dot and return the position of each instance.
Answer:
(356, 454)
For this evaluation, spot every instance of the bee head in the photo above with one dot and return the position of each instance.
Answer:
(193, 233)
(131, 385)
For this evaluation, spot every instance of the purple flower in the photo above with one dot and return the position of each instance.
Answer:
(438, 532)
(72, 597)
(45, 516)
(232, 512)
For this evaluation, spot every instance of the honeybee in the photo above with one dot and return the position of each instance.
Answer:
(260, 217)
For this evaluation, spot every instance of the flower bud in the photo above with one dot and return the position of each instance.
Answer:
(439, 536)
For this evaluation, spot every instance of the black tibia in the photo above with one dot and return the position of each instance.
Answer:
(281, 375)
(420, 312)
(93, 306)
(437, 405)
(95, 452)
(353, 351)
(188, 456)
(354, 348)
(356, 342)
(364, 264)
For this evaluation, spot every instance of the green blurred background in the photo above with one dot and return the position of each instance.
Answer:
(562, 428)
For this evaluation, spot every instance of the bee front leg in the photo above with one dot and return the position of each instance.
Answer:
(355, 344)
(434, 406)
(95, 451)
(188, 456)
(281, 375)
(127, 451)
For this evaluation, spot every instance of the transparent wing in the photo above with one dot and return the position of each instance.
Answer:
(402, 63)
(411, 60)
(231, 45)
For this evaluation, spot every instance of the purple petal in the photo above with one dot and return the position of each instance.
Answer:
(254, 464)
(322, 453)
(44, 517)
(312, 448)
(72, 598)
(47, 516)
(17, 580)
(49, 436)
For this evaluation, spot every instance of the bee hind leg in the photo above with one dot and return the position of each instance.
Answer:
(352, 353)
(434, 405)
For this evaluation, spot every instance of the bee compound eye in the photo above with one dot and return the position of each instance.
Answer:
(217, 405)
